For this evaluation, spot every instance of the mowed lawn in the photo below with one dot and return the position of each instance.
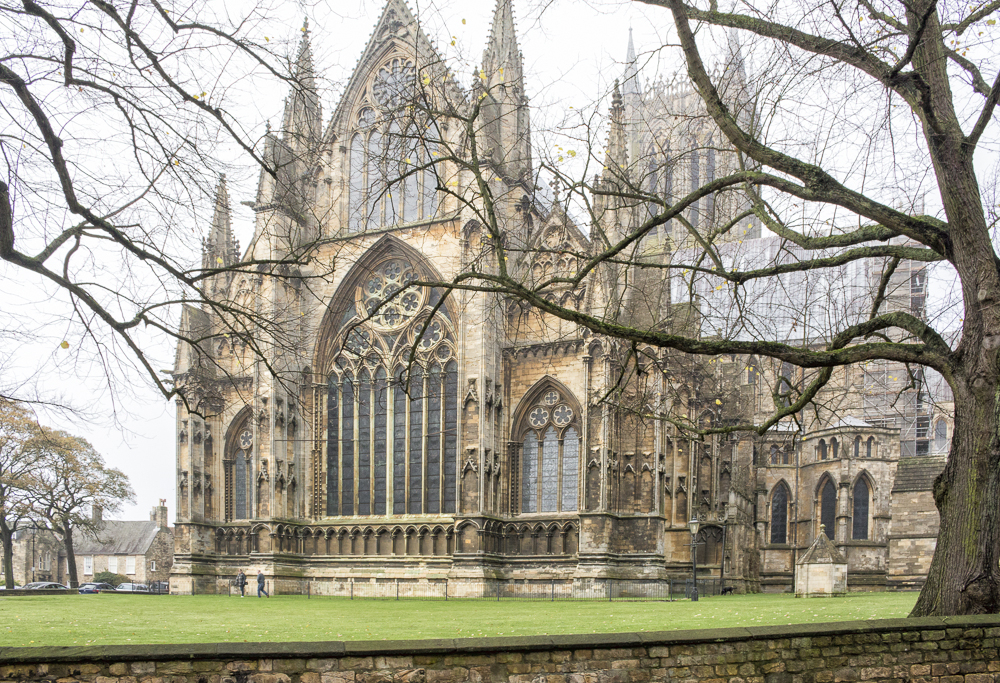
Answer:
(132, 619)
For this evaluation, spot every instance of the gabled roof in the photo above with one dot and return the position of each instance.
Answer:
(397, 21)
(117, 538)
(822, 551)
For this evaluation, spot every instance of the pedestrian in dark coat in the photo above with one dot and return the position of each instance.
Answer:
(241, 581)
(260, 584)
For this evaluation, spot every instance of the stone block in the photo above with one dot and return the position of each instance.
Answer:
(268, 677)
(357, 663)
(309, 677)
(321, 664)
(845, 675)
(118, 669)
(625, 664)
(337, 677)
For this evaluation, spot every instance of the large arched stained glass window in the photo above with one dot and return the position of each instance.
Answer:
(392, 425)
(779, 514)
(550, 455)
(862, 495)
(828, 509)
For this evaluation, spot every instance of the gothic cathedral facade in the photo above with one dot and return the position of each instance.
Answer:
(409, 433)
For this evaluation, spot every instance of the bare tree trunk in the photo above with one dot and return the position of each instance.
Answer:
(963, 578)
(7, 537)
(67, 534)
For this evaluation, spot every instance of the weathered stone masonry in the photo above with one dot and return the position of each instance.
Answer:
(932, 650)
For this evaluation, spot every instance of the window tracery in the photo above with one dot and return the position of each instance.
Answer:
(550, 453)
(392, 178)
(392, 426)
(237, 469)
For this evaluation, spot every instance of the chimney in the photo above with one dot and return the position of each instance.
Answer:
(96, 514)
(159, 514)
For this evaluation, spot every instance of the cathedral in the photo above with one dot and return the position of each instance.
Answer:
(348, 423)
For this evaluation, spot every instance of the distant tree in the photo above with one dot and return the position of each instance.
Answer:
(72, 483)
(19, 459)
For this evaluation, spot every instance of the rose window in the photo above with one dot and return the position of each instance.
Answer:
(562, 415)
(538, 417)
(551, 398)
(385, 297)
(246, 439)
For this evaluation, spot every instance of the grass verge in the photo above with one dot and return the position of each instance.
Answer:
(132, 619)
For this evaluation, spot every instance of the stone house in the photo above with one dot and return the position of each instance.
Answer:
(412, 434)
(142, 551)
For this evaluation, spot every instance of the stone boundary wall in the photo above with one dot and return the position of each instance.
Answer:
(930, 650)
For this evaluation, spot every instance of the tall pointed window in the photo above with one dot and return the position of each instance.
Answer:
(392, 425)
(238, 471)
(828, 508)
(393, 179)
(550, 454)
(779, 514)
(862, 495)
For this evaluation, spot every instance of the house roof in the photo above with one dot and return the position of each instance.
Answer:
(918, 473)
(117, 538)
(822, 551)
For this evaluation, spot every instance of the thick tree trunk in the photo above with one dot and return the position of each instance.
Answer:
(964, 576)
(7, 537)
(67, 534)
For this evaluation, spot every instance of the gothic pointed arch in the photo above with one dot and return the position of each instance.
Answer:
(547, 428)
(388, 353)
(344, 306)
(862, 494)
(780, 500)
(826, 503)
(237, 466)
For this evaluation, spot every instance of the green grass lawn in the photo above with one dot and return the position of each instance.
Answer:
(128, 619)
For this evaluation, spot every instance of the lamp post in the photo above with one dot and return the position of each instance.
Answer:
(693, 526)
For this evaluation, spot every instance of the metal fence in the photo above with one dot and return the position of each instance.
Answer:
(441, 589)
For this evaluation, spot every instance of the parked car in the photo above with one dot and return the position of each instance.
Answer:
(132, 588)
(159, 587)
(44, 585)
(92, 587)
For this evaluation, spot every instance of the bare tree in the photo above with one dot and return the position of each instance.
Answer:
(826, 214)
(118, 124)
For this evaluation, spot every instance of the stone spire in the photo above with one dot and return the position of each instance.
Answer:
(630, 79)
(505, 119)
(616, 160)
(303, 120)
(502, 58)
(219, 249)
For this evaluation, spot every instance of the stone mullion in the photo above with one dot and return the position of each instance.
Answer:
(390, 444)
(318, 463)
(423, 444)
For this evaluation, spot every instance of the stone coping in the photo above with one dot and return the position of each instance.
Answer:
(466, 646)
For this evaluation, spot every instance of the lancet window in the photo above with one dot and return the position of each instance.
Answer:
(391, 176)
(550, 455)
(238, 472)
(392, 425)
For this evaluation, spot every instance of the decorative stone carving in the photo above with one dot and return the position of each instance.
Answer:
(471, 394)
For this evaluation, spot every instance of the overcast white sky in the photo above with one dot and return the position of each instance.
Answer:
(572, 50)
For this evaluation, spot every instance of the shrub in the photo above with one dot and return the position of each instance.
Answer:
(108, 577)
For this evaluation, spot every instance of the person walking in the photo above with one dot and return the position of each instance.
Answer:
(241, 582)
(260, 584)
